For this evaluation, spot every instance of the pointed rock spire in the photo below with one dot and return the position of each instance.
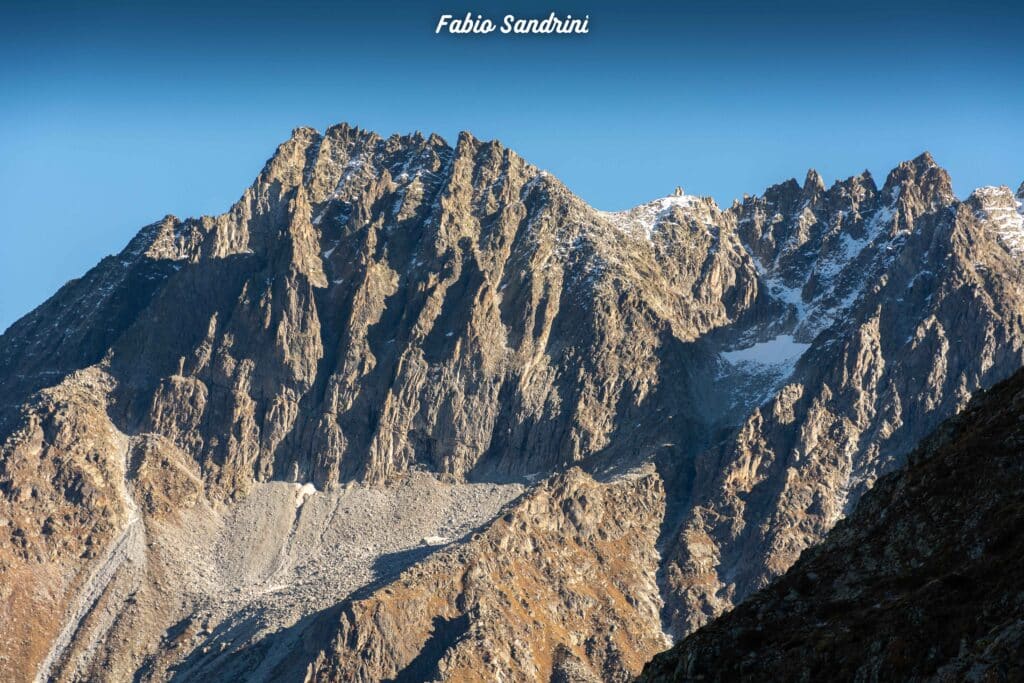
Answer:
(924, 160)
(813, 181)
(868, 180)
(922, 179)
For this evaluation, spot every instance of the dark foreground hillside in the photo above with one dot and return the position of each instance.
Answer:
(922, 582)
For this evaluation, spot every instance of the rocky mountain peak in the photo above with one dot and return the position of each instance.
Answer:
(305, 133)
(917, 187)
(813, 182)
(863, 180)
(784, 194)
(853, 195)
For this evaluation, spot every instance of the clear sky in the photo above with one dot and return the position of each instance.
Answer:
(113, 114)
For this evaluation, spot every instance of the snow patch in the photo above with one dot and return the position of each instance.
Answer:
(645, 218)
(781, 352)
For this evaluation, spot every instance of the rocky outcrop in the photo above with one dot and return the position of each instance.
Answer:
(919, 583)
(373, 308)
(560, 586)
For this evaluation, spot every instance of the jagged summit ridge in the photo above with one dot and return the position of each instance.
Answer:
(299, 215)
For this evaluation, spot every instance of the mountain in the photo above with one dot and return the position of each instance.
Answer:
(319, 432)
(919, 583)
(906, 279)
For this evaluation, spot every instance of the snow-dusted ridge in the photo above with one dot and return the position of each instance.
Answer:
(643, 219)
(1005, 211)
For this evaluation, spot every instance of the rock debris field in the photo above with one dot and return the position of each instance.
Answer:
(286, 551)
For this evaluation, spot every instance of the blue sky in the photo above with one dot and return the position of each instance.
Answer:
(116, 113)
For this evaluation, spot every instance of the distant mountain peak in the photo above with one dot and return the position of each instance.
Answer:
(813, 182)
(922, 172)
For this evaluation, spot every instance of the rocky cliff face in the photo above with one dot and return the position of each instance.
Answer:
(370, 305)
(919, 583)
(371, 308)
(900, 283)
